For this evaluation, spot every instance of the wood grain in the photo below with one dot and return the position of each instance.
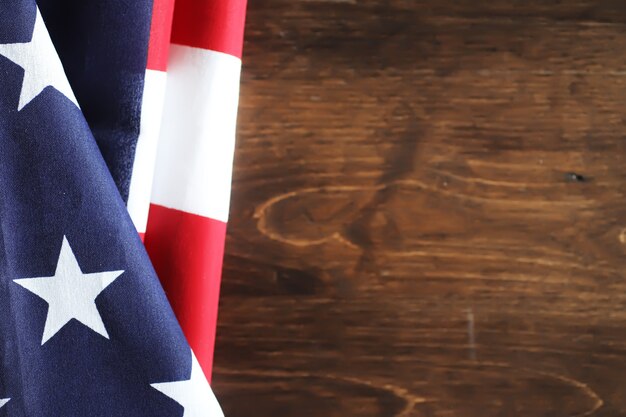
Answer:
(429, 211)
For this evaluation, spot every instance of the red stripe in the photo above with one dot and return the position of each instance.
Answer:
(210, 24)
(187, 252)
(160, 33)
(142, 236)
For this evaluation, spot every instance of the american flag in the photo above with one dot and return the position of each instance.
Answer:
(117, 126)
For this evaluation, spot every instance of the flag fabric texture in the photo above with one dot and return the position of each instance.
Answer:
(117, 124)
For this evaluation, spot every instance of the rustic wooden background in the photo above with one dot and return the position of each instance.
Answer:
(429, 211)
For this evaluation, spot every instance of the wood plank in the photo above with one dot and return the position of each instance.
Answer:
(429, 211)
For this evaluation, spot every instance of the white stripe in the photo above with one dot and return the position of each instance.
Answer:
(145, 153)
(194, 162)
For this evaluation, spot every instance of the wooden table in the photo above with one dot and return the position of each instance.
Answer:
(429, 211)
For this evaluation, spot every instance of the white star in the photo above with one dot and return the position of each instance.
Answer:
(3, 401)
(194, 394)
(70, 294)
(41, 64)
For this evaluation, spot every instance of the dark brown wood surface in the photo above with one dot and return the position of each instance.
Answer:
(429, 211)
